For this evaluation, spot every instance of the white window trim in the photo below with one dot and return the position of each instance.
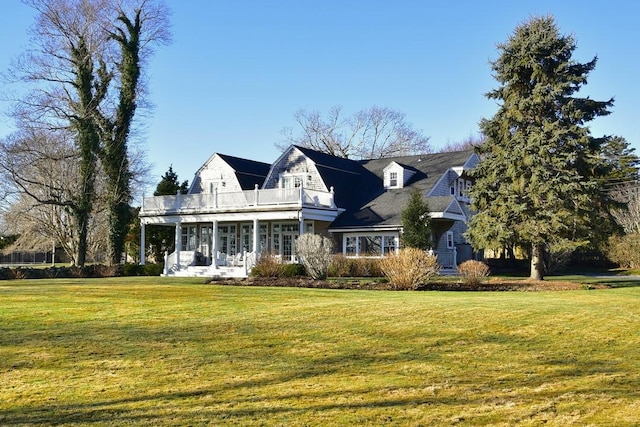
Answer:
(383, 236)
(450, 242)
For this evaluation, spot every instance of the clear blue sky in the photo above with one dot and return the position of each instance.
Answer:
(237, 70)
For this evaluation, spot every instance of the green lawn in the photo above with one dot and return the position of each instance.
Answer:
(151, 351)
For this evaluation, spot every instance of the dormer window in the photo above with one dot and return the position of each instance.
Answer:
(216, 186)
(396, 175)
(295, 180)
(393, 179)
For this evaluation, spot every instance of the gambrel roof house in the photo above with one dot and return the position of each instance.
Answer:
(237, 208)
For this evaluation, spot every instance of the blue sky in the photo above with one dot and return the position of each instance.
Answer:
(237, 70)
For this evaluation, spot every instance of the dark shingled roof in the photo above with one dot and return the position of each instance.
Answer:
(248, 172)
(378, 207)
(353, 184)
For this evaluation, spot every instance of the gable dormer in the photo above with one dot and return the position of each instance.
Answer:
(214, 175)
(224, 174)
(396, 176)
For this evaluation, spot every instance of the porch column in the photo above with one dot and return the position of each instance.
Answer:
(301, 224)
(256, 235)
(143, 243)
(214, 244)
(178, 242)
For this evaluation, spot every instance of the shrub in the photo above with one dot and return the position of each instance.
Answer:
(131, 269)
(315, 252)
(293, 270)
(473, 272)
(268, 265)
(342, 266)
(154, 269)
(410, 268)
(625, 250)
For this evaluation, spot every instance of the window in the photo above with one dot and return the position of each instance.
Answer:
(393, 179)
(227, 239)
(216, 186)
(246, 237)
(372, 245)
(264, 237)
(205, 239)
(389, 245)
(189, 238)
(295, 180)
(283, 239)
(450, 243)
(350, 248)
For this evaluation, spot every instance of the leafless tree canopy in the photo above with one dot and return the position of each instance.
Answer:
(77, 68)
(469, 143)
(40, 174)
(628, 216)
(375, 132)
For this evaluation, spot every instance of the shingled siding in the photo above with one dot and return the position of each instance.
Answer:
(295, 162)
(218, 172)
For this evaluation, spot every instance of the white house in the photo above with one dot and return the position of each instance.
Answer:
(238, 208)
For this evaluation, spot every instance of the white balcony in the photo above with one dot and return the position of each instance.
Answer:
(241, 201)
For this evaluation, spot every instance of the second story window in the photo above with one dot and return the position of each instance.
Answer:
(393, 179)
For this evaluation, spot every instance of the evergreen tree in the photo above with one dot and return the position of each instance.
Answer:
(162, 238)
(416, 222)
(539, 176)
(169, 184)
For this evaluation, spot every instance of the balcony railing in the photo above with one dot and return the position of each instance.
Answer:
(242, 200)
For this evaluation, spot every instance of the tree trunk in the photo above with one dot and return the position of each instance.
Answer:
(81, 254)
(537, 262)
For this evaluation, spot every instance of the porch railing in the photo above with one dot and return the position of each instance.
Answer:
(238, 199)
(246, 260)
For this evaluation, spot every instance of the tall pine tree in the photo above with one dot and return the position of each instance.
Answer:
(539, 174)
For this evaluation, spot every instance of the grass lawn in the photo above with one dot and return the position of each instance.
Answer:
(154, 351)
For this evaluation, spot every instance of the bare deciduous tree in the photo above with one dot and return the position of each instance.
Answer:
(375, 132)
(41, 175)
(84, 69)
(469, 143)
(628, 216)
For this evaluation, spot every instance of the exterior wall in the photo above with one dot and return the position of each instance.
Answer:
(443, 186)
(217, 173)
(294, 162)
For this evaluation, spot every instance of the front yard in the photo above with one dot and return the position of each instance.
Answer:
(152, 351)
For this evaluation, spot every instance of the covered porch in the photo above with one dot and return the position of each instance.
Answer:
(223, 235)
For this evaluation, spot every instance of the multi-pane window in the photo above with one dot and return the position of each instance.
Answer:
(393, 179)
(264, 237)
(227, 239)
(389, 245)
(246, 237)
(370, 245)
(351, 246)
(205, 239)
(189, 238)
(283, 239)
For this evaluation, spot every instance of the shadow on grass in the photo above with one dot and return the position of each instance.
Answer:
(243, 400)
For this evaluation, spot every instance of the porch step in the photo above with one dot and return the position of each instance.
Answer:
(205, 271)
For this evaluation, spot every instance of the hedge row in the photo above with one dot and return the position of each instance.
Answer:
(90, 271)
